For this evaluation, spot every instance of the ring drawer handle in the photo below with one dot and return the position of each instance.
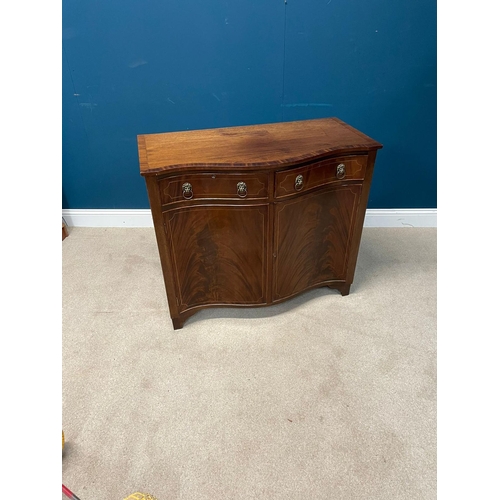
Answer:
(241, 189)
(187, 190)
(299, 182)
(340, 171)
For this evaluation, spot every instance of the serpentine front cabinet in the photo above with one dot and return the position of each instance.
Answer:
(251, 216)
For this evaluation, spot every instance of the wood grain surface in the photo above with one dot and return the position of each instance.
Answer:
(220, 246)
(214, 185)
(219, 254)
(320, 173)
(270, 145)
(313, 233)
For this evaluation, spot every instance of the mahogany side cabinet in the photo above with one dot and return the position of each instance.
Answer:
(254, 215)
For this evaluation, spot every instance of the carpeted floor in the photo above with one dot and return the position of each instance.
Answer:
(322, 397)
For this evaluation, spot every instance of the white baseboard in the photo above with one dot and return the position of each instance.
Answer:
(142, 218)
(402, 217)
(108, 218)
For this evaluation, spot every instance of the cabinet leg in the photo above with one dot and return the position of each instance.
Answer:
(343, 289)
(178, 323)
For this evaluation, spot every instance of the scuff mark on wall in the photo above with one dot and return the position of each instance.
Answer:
(137, 62)
(88, 105)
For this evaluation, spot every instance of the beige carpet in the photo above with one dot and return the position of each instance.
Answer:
(323, 397)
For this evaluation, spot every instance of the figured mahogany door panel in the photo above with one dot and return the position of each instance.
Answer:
(213, 185)
(333, 170)
(219, 254)
(312, 237)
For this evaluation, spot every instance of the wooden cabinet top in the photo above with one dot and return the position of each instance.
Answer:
(255, 146)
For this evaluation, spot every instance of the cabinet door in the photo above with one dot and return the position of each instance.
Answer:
(219, 254)
(312, 238)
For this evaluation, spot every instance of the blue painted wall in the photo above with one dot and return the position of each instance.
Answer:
(141, 66)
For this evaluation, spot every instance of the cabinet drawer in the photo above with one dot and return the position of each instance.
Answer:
(323, 172)
(213, 186)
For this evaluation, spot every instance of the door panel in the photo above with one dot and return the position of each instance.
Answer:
(219, 254)
(312, 237)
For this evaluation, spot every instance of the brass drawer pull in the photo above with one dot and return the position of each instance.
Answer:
(187, 190)
(299, 182)
(340, 171)
(241, 189)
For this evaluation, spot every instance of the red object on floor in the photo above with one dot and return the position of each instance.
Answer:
(69, 493)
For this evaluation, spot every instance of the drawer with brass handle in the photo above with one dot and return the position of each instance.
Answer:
(289, 182)
(213, 186)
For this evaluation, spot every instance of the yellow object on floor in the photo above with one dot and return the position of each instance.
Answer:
(140, 496)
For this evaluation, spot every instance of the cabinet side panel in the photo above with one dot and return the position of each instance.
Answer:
(166, 264)
(313, 236)
(219, 254)
(360, 218)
